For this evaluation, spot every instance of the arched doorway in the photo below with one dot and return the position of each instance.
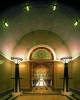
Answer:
(42, 67)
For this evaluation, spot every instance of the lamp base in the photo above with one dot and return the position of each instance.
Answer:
(66, 93)
(16, 93)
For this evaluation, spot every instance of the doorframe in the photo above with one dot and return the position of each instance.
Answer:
(41, 61)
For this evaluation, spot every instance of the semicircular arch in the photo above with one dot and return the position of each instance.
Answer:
(41, 52)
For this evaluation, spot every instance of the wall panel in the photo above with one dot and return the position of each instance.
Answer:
(25, 74)
(58, 73)
(75, 74)
(6, 73)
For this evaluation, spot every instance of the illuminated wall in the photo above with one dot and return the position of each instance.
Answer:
(6, 73)
(74, 72)
(25, 74)
(41, 71)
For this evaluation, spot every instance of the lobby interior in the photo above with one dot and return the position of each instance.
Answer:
(40, 51)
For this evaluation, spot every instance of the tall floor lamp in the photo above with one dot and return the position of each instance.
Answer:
(17, 78)
(66, 78)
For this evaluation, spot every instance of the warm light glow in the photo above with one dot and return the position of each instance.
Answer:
(22, 66)
(59, 65)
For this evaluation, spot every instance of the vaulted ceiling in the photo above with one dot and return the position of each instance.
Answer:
(40, 26)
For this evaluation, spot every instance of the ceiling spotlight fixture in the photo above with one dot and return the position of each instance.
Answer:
(27, 7)
(54, 7)
(6, 24)
(76, 23)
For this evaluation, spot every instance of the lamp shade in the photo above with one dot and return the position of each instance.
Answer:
(66, 59)
(16, 59)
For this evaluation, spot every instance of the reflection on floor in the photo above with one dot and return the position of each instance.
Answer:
(41, 88)
(42, 97)
(42, 92)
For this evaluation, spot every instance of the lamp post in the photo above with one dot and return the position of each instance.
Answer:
(66, 91)
(17, 91)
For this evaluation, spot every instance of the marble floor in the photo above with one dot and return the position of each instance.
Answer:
(40, 93)
(42, 97)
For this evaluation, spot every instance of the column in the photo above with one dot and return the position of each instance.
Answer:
(66, 77)
(17, 78)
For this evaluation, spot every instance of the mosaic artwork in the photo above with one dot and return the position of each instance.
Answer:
(41, 54)
(41, 72)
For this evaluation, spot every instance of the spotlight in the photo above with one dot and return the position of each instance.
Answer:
(54, 7)
(27, 7)
(76, 23)
(6, 24)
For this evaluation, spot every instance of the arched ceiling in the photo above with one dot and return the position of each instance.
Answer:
(39, 25)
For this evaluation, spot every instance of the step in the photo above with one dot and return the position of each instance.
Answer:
(76, 96)
(71, 97)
